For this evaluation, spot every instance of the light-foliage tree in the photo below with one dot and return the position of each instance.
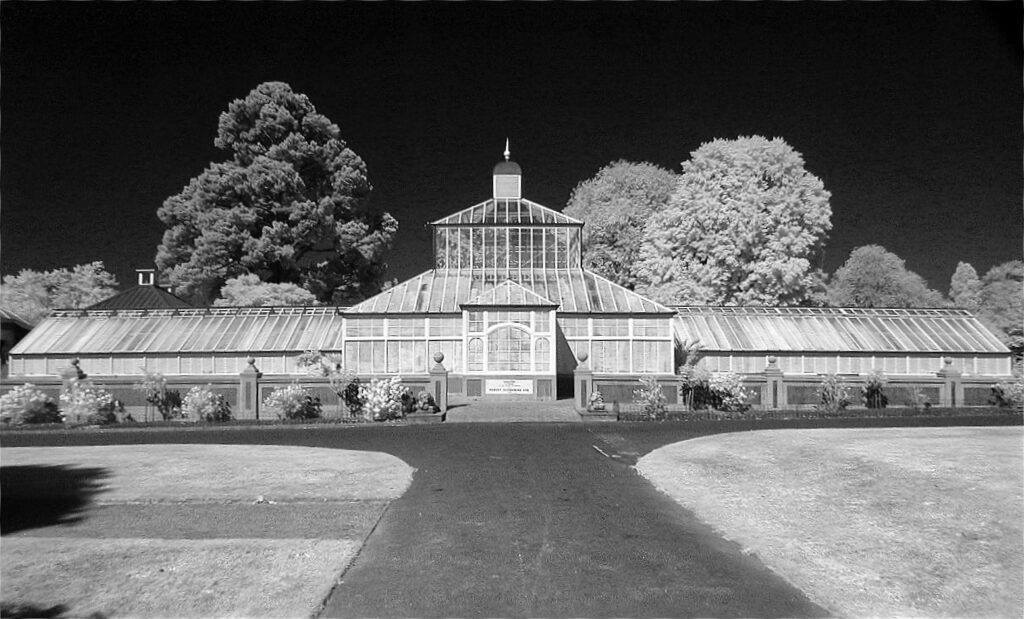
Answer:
(875, 277)
(742, 227)
(615, 205)
(249, 291)
(289, 204)
(33, 294)
(1002, 303)
(965, 288)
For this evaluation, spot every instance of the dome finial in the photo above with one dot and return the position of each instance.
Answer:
(507, 153)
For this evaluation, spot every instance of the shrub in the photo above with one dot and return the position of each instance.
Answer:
(154, 388)
(652, 396)
(81, 401)
(596, 401)
(382, 399)
(425, 403)
(727, 392)
(205, 405)
(294, 402)
(1008, 394)
(695, 387)
(26, 404)
(352, 396)
(833, 396)
(872, 393)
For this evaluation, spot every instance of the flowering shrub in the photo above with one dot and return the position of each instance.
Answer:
(26, 404)
(728, 393)
(205, 405)
(651, 395)
(871, 394)
(833, 396)
(1008, 393)
(81, 401)
(596, 401)
(382, 399)
(154, 388)
(294, 402)
(352, 396)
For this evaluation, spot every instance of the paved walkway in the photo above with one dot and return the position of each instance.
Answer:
(482, 411)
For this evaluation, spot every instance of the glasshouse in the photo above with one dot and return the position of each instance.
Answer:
(508, 311)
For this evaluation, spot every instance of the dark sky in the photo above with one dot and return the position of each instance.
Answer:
(911, 113)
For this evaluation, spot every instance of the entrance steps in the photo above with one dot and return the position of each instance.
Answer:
(472, 410)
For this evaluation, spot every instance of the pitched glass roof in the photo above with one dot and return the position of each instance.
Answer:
(509, 293)
(571, 290)
(796, 329)
(211, 330)
(507, 211)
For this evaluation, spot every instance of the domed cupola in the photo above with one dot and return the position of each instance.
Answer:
(508, 179)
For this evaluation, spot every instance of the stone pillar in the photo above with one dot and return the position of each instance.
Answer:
(951, 392)
(439, 382)
(773, 394)
(248, 406)
(583, 378)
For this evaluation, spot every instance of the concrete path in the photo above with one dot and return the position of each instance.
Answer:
(483, 411)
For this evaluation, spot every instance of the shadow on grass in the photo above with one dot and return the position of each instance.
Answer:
(41, 496)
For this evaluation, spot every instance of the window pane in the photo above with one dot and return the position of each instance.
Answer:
(542, 322)
(475, 359)
(508, 348)
(542, 355)
(476, 322)
(617, 327)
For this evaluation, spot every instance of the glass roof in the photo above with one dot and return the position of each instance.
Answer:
(507, 211)
(796, 329)
(570, 290)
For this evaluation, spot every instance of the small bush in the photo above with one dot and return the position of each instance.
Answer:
(203, 404)
(425, 403)
(83, 402)
(728, 393)
(695, 387)
(833, 397)
(26, 404)
(652, 396)
(1008, 394)
(382, 399)
(352, 396)
(596, 401)
(872, 394)
(167, 401)
(294, 402)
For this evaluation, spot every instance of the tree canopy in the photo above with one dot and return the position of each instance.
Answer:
(289, 205)
(741, 228)
(1002, 303)
(615, 205)
(33, 294)
(965, 287)
(250, 291)
(875, 277)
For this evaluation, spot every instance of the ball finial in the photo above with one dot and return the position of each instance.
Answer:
(438, 357)
(251, 360)
(583, 357)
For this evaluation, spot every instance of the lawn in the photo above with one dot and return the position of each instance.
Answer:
(891, 522)
(186, 530)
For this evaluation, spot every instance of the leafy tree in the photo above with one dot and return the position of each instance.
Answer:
(290, 205)
(965, 287)
(741, 228)
(615, 205)
(875, 277)
(33, 294)
(250, 291)
(1002, 303)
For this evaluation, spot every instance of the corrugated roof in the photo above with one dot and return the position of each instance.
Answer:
(509, 293)
(797, 329)
(141, 297)
(507, 211)
(228, 329)
(571, 290)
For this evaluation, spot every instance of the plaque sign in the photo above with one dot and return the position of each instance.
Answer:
(507, 386)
